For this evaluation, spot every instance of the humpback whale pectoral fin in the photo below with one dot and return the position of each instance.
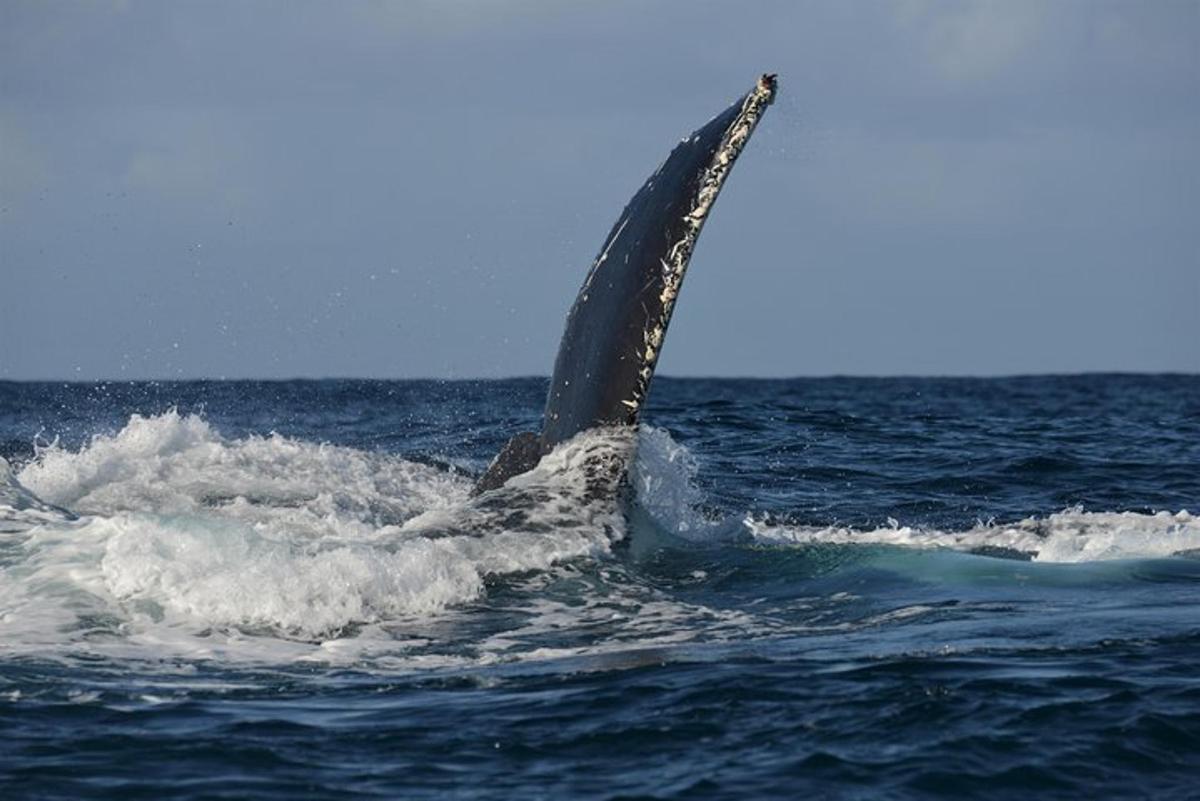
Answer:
(615, 329)
(519, 455)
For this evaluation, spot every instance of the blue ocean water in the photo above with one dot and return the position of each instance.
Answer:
(832, 588)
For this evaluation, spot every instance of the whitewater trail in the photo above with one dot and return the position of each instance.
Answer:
(185, 536)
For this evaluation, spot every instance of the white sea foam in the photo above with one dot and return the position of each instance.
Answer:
(173, 464)
(20, 508)
(1069, 536)
(266, 548)
(184, 532)
(664, 479)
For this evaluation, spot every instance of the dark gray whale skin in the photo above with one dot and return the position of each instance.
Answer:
(616, 327)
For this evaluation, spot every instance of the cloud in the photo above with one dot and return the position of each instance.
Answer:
(193, 159)
(23, 164)
(476, 151)
(1150, 36)
(966, 42)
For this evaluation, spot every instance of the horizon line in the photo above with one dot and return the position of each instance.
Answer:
(544, 377)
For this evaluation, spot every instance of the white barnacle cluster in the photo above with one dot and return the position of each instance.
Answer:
(675, 265)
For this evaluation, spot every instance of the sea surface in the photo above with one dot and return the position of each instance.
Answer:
(818, 588)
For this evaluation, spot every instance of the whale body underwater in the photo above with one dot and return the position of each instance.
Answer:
(616, 327)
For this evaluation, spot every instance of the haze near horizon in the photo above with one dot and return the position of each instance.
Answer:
(278, 190)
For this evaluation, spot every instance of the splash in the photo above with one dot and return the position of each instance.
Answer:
(1069, 536)
(183, 530)
(273, 549)
(20, 508)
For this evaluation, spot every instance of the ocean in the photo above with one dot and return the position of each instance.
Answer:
(892, 588)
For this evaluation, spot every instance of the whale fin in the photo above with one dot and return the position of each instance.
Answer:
(616, 327)
(519, 455)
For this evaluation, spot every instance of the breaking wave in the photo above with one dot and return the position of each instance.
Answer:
(1069, 536)
(184, 529)
(169, 536)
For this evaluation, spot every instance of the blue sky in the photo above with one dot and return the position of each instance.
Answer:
(417, 189)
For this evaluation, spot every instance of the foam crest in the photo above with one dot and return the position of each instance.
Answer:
(188, 531)
(20, 508)
(269, 548)
(227, 574)
(565, 507)
(1069, 536)
(175, 464)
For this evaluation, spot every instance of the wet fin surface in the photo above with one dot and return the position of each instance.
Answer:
(616, 327)
(519, 455)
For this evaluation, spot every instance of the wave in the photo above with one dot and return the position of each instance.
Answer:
(179, 539)
(181, 527)
(1069, 536)
(20, 508)
(664, 479)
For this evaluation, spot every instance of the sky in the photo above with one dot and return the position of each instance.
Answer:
(417, 189)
